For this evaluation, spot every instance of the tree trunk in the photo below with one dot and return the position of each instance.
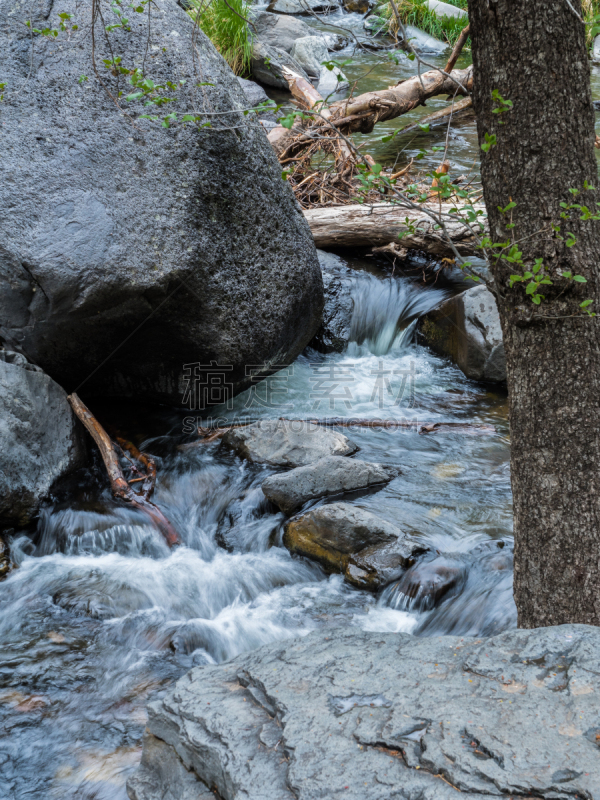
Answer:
(369, 226)
(533, 53)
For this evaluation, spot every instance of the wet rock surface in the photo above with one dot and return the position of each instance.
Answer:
(347, 539)
(334, 332)
(279, 30)
(328, 476)
(467, 328)
(423, 42)
(287, 443)
(40, 438)
(378, 716)
(267, 62)
(188, 237)
(302, 6)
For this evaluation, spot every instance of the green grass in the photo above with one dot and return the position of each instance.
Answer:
(226, 30)
(415, 12)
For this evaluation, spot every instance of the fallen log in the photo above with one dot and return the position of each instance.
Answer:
(119, 485)
(455, 110)
(361, 114)
(380, 224)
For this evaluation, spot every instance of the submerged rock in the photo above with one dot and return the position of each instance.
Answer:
(467, 328)
(358, 6)
(4, 558)
(267, 62)
(151, 252)
(367, 550)
(328, 476)
(41, 441)
(287, 443)
(375, 25)
(375, 716)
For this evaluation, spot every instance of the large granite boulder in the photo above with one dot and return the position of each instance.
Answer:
(133, 254)
(383, 716)
(369, 551)
(423, 42)
(287, 443)
(329, 476)
(467, 328)
(41, 441)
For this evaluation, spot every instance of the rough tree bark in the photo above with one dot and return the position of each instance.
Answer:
(534, 54)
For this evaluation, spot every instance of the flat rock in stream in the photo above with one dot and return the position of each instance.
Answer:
(287, 443)
(281, 30)
(368, 550)
(467, 328)
(328, 476)
(343, 713)
(41, 441)
(154, 259)
(306, 7)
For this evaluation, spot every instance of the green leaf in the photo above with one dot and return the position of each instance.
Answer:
(586, 303)
(537, 299)
(531, 288)
(579, 279)
(424, 128)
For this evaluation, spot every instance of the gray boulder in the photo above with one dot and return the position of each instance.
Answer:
(279, 30)
(287, 443)
(149, 248)
(41, 441)
(253, 92)
(328, 476)
(596, 49)
(349, 540)
(267, 63)
(310, 52)
(467, 328)
(422, 42)
(447, 10)
(302, 6)
(343, 713)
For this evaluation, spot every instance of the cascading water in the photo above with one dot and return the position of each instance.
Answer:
(100, 615)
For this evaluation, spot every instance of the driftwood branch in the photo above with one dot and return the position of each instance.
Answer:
(457, 49)
(120, 488)
(377, 225)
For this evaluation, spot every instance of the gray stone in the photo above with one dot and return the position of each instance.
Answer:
(334, 333)
(387, 716)
(446, 10)
(422, 42)
(347, 539)
(267, 62)
(467, 328)
(310, 52)
(254, 94)
(328, 476)
(287, 443)
(306, 7)
(596, 49)
(331, 81)
(41, 441)
(279, 30)
(148, 248)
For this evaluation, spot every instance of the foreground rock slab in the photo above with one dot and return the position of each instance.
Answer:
(40, 438)
(467, 328)
(287, 443)
(367, 550)
(328, 476)
(154, 256)
(382, 716)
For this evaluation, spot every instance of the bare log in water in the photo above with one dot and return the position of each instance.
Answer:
(380, 224)
(120, 488)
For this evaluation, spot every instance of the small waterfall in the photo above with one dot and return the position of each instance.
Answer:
(386, 311)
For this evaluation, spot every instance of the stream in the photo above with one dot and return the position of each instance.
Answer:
(100, 616)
